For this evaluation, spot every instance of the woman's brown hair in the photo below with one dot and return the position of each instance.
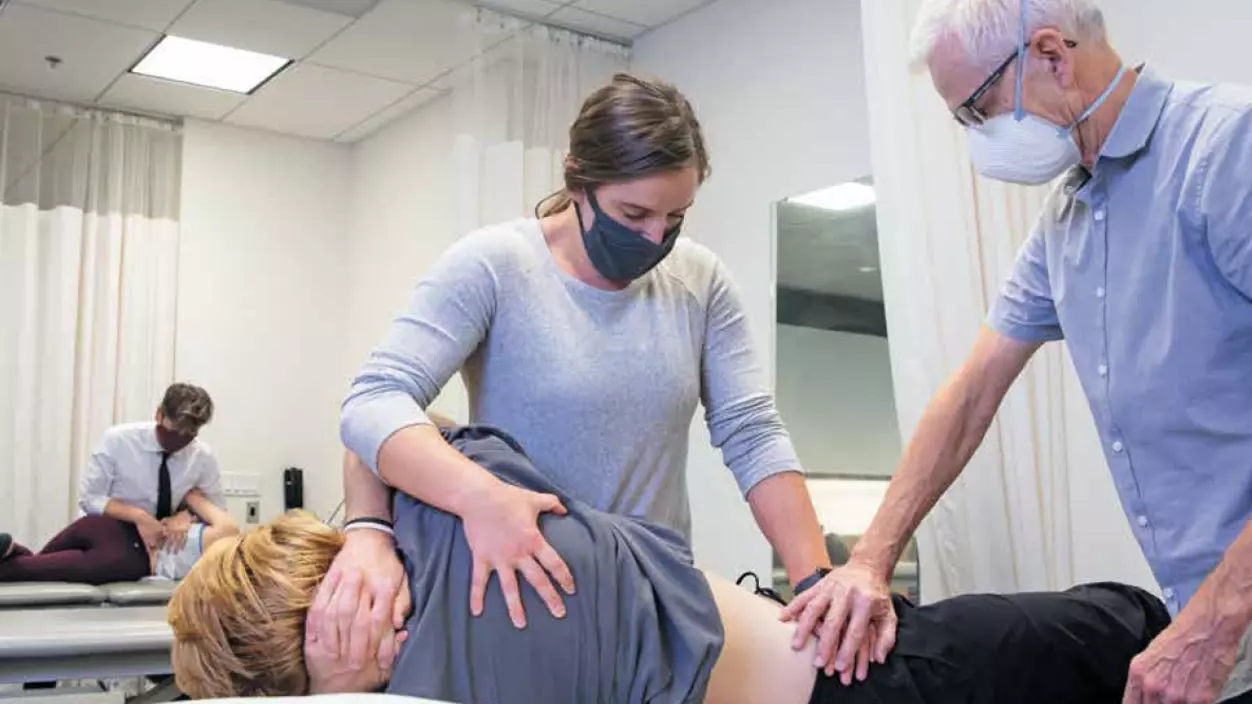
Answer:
(628, 129)
(238, 616)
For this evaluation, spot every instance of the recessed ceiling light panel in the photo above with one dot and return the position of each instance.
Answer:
(209, 65)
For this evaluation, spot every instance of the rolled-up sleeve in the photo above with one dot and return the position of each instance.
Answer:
(742, 418)
(1025, 310)
(97, 481)
(1225, 201)
(447, 318)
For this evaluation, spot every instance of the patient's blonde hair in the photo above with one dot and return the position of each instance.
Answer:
(238, 617)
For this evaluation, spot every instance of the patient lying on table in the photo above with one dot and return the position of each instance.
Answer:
(644, 625)
(97, 550)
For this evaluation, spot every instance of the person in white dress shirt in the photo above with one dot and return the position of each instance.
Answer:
(132, 495)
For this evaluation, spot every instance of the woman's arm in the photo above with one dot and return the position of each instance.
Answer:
(218, 523)
(743, 421)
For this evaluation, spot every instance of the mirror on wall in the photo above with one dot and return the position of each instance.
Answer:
(833, 373)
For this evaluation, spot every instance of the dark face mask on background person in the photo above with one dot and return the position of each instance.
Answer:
(172, 441)
(618, 252)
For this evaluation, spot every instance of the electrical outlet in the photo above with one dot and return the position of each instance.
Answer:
(254, 512)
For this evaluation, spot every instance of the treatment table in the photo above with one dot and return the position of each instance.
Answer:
(54, 631)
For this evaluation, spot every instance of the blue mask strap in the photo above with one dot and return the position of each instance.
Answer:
(1098, 102)
(1019, 113)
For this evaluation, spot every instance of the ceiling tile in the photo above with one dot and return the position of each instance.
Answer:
(534, 9)
(649, 13)
(266, 26)
(93, 53)
(590, 22)
(382, 118)
(170, 98)
(403, 40)
(299, 101)
(147, 14)
(351, 8)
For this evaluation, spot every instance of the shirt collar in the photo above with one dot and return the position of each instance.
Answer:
(1139, 116)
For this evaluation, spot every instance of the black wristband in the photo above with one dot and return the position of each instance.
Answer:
(809, 581)
(369, 519)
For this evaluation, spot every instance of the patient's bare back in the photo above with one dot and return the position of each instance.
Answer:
(757, 663)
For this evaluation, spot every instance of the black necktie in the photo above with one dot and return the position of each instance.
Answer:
(163, 489)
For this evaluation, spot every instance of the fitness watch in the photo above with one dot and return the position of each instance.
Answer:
(808, 582)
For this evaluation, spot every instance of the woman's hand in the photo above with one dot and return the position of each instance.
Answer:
(364, 598)
(331, 674)
(849, 610)
(502, 528)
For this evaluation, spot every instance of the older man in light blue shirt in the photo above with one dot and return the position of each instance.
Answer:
(1142, 263)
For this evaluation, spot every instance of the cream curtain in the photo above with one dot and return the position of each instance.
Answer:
(88, 253)
(1036, 508)
(514, 105)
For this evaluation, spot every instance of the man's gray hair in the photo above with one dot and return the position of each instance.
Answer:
(989, 30)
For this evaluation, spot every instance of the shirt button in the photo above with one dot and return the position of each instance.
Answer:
(1099, 216)
(1100, 292)
(1118, 446)
(1103, 369)
(1143, 521)
(1168, 593)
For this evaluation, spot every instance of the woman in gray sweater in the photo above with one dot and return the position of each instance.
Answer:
(593, 333)
(644, 625)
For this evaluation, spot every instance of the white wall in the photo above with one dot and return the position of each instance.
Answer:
(835, 395)
(1203, 41)
(402, 217)
(779, 87)
(261, 302)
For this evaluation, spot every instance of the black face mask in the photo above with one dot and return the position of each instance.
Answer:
(172, 441)
(619, 253)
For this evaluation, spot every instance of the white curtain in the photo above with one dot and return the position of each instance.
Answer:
(1035, 509)
(88, 271)
(514, 105)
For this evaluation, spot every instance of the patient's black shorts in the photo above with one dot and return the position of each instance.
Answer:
(1072, 647)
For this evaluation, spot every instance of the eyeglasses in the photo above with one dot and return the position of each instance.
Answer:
(968, 113)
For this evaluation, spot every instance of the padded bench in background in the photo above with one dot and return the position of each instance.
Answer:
(84, 642)
(41, 595)
(29, 595)
(156, 592)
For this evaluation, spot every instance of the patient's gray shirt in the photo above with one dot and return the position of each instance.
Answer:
(642, 627)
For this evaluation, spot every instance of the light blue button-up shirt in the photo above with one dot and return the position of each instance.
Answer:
(1146, 271)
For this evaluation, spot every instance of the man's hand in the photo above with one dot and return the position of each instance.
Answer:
(364, 597)
(503, 533)
(176, 528)
(1188, 663)
(151, 531)
(852, 604)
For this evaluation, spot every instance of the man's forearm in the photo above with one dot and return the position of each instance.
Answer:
(123, 511)
(950, 431)
(1224, 599)
(365, 495)
(784, 510)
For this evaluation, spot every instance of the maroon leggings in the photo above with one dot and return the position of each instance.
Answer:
(92, 550)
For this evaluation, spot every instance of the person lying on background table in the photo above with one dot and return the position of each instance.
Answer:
(86, 552)
(137, 475)
(643, 626)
